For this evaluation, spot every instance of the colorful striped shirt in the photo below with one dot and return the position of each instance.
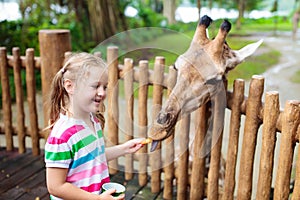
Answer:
(73, 145)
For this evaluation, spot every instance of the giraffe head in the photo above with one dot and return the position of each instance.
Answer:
(200, 72)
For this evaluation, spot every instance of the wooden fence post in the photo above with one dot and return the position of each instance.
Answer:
(53, 45)
(31, 91)
(233, 144)
(290, 122)
(143, 119)
(19, 99)
(183, 158)
(296, 190)
(129, 98)
(113, 103)
(271, 114)
(155, 157)
(252, 124)
(6, 100)
(197, 190)
(218, 114)
(169, 144)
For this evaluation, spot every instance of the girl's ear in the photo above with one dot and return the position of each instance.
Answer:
(69, 86)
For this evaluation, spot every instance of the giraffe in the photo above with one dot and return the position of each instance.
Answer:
(201, 70)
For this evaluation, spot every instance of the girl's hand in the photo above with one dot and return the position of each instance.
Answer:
(107, 195)
(130, 146)
(133, 145)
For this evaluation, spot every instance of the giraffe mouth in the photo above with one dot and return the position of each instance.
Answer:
(162, 128)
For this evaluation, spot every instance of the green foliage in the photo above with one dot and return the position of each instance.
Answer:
(11, 35)
(253, 4)
(147, 17)
(250, 26)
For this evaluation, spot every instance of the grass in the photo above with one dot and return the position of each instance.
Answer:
(169, 46)
(254, 65)
(296, 77)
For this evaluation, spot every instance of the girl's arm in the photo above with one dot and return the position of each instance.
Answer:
(130, 146)
(57, 186)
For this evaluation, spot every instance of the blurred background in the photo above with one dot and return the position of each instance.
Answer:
(173, 23)
(93, 21)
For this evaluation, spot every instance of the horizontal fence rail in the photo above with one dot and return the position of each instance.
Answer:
(179, 159)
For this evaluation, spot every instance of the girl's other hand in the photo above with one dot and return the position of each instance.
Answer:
(107, 195)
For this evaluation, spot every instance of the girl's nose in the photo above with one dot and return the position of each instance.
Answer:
(101, 92)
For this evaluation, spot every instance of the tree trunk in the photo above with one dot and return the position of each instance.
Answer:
(106, 18)
(210, 4)
(241, 8)
(199, 8)
(169, 10)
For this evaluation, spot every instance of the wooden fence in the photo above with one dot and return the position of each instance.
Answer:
(192, 180)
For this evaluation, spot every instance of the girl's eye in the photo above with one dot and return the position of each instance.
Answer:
(98, 86)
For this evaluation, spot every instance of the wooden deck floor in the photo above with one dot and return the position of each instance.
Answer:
(22, 177)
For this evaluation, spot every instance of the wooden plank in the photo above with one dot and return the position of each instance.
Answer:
(20, 171)
(39, 190)
(6, 155)
(33, 187)
(132, 187)
(22, 176)
(44, 197)
(15, 164)
(145, 193)
(3, 158)
(133, 190)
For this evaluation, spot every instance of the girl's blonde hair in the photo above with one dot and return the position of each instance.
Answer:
(75, 68)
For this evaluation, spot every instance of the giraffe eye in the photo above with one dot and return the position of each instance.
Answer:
(175, 67)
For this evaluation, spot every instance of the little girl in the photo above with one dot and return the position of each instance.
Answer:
(76, 162)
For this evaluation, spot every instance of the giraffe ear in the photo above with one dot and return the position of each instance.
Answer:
(248, 50)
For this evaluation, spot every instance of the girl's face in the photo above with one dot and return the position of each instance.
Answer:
(90, 91)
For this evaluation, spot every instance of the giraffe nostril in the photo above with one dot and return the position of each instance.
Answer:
(163, 118)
